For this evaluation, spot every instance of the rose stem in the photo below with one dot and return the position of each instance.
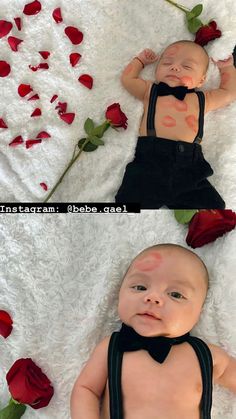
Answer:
(180, 6)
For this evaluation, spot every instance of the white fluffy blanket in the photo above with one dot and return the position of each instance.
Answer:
(60, 276)
(114, 31)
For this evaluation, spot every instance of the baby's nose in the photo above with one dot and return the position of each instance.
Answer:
(175, 67)
(153, 298)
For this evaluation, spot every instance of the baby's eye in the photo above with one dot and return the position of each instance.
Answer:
(188, 67)
(176, 295)
(139, 287)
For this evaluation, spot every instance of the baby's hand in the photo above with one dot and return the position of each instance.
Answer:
(224, 63)
(147, 56)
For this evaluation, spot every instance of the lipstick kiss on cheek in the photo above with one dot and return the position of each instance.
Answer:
(187, 81)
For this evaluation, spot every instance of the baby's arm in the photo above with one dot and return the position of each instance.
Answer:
(224, 368)
(226, 93)
(129, 78)
(89, 386)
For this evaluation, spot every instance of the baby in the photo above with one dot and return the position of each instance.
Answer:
(169, 168)
(152, 368)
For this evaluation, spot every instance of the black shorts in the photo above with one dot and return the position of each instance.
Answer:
(168, 173)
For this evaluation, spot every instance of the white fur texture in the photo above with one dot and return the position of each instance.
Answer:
(114, 31)
(59, 279)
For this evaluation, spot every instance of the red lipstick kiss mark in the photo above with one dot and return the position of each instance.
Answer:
(225, 77)
(128, 69)
(172, 50)
(192, 122)
(149, 262)
(180, 106)
(168, 121)
(187, 81)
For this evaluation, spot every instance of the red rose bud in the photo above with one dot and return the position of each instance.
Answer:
(115, 115)
(28, 384)
(5, 324)
(207, 225)
(207, 33)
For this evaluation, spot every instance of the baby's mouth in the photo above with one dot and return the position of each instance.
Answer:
(149, 315)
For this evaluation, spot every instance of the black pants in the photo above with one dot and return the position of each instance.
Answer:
(169, 173)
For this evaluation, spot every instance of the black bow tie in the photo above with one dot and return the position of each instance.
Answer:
(179, 92)
(158, 347)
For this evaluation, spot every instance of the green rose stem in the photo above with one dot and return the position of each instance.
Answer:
(180, 6)
(13, 410)
(74, 158)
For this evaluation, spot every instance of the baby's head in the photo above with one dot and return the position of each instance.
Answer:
(163, 291)
(183, 63)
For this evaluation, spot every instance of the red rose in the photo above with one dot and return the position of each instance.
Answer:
(207, 225)
(207, 33)
(115, 115)
(28, 384)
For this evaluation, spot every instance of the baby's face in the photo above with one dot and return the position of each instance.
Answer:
(182, 64)
(162, 293)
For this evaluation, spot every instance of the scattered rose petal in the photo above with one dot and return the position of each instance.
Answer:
(74, 58)
(5, 28)
(37, 67)
(32, 8)
(54, 97)
(62, 106)
(37, 112)
(34, 97)
(86, 80)
(44, 54)
(56, 14)
(5, 324)
(43, 134)
(30, 143)
(24, 89)
(4, 69)
(74, 34)
(68, 117)
(17, 141)
(18, 23)
(3, 123)
(14, 42)
(44, 186)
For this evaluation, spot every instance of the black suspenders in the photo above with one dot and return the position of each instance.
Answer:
(114, 376)
(152, 108)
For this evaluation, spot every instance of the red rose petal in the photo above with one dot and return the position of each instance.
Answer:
(74, 34)
(86, 80)
(62, 106)
(37, 112)
(74, 58)
(44, 186)
(14, 42)
(68, 117)
(30, 143)
(5, 324)
(18, 23)
(4, 69)
(43, 134)
(54, 97)
(5, 28)
(3, 123)
(24, 89)
(37, 67)
(56, 14)
(44, 54)
(17, 141)
(34, 97)
(32, 8)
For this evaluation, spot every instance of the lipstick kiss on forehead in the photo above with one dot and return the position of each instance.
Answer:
(149, 262)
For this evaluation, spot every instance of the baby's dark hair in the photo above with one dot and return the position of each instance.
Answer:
(177, 247)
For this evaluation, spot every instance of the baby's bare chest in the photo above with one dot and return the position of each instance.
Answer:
(174, 119)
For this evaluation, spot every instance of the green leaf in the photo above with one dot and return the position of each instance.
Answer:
(13, 411)
(101, 129)
(96, 141)
(88, 147)
(197, 10)
(194, 25)
(89, 126)
(189, 16)
(184, 216)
